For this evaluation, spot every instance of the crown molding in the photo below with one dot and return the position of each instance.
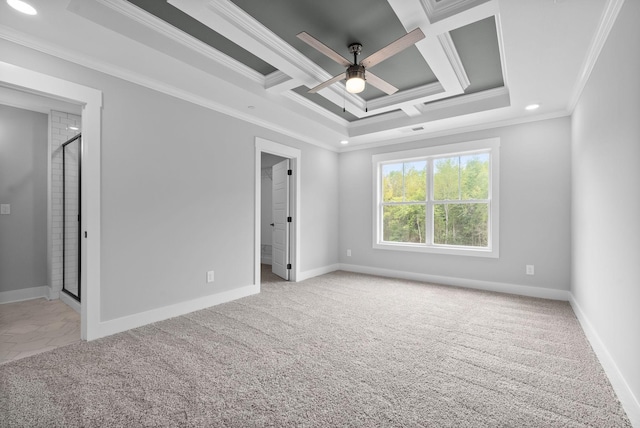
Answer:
(609, 15)
(147, 82)
(437, 10)
(413, 96)
(466, 99)
(140, 16)
(429, 134)
(315, 108)
(456, 63)
(279, 82)
(461, 105)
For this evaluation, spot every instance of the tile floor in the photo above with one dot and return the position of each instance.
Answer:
(34, 326)
(39, 325)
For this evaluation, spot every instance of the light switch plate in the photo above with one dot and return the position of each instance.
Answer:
(5, 208)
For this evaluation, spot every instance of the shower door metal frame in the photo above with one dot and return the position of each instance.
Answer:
(64, 218)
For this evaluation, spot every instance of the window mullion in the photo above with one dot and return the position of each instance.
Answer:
(429, 208)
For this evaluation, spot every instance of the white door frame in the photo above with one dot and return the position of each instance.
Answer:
(266, 146)
(27, 80)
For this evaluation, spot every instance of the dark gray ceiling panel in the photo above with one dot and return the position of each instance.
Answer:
(193, 27)
(477, 46)
(337, 24)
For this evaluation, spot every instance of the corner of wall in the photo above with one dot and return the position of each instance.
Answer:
(629, 401)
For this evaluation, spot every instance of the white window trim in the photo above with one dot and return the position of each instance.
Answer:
(491, 144)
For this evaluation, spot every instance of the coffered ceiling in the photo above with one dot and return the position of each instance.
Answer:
(480, 63)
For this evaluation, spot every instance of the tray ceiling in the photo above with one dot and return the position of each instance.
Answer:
(480, 63)
(472, 49)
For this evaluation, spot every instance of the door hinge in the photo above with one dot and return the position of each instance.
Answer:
(85, 233)
(288, 265)
(289, 172)
(289, 219)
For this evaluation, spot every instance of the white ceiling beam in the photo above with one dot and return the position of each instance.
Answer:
(236, 25)
(469, 16)
(454, 59)
(409, 97)
(279, 82)
(412, 111)
(447, 108)
(412, 15)
(438, 10)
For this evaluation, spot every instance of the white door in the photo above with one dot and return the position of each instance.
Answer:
(280, 225)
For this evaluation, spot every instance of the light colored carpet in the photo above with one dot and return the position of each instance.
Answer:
(338, 350)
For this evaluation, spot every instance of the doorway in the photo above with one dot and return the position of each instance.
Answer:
(277, 244)
(274, 207)
(30, 81)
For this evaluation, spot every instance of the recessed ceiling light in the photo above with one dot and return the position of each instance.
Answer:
(343, 142)
(532, 107)
(23, 7)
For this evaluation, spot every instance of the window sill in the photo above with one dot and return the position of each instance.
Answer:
(438, 249)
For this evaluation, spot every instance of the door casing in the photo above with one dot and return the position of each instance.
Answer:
(263, 145)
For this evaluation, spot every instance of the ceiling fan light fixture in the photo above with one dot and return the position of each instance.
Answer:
(355, 79)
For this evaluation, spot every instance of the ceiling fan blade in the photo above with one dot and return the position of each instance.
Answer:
(329, 82)
(383, 85)
(322, 48)
(393, 48)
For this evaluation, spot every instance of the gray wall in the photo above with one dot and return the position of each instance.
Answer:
(606, 197)
(535, 172)
(23, 184)
(178, 194)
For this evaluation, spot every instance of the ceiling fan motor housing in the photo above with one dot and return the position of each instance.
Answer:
(356, 71)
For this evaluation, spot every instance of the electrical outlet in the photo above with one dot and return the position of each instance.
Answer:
(348, 253)
(5, 208)
(529, 270)
(210, 276)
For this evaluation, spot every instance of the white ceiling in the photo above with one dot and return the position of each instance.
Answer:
(546, 46)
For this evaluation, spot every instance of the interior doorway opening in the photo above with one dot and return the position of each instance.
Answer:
(274, 209)
(33, 82)
(277, 213)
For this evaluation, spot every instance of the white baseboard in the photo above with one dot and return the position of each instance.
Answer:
(72, 303)
(107, 328)
(24, 294)
(317, 272)
(629, 401)
(52, 295)
(265, 260)
(522, 290)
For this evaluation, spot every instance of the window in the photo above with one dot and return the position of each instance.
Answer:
(439, 199)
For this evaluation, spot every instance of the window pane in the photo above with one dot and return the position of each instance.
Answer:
(415, 181)
(403, 223)
(446, 179)
(461, 224)
(392, 182)
(474, 176)
(404, 182)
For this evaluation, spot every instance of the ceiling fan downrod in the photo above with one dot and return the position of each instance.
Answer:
(355, 71)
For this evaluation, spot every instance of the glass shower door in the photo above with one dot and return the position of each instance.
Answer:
(71, 185)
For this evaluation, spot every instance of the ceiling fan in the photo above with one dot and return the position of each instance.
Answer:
(355, 73)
